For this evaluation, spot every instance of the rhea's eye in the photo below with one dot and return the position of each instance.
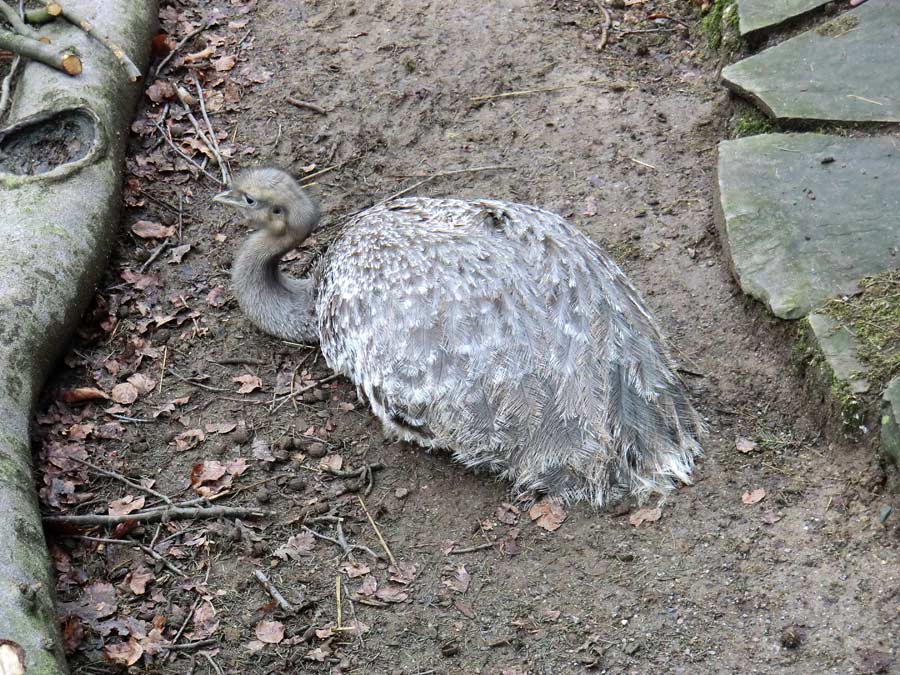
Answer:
(249, 201)
(276, 210)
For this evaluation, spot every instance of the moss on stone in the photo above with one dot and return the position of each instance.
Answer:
(873, 316)
(722, 17)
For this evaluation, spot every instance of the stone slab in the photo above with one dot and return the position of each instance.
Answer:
(805, 216)
(755, 15)
(890, 420)
(839, 347)
(844, 70)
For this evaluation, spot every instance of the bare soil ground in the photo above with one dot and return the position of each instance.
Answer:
(622, 141)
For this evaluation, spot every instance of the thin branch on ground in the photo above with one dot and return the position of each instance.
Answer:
(119, 477)
(364, 473)
(272, 591)
(134, 73)
(341, 541)
(182, 154)
(471, 549)
(146, 549)
(199, 644)
(6, 87)
(519, 92)
(377, 531)
(604, 27)
(306, 104)
(181, 43)
(156, 515)
(223, 164)
(62, 60)
(16, 21)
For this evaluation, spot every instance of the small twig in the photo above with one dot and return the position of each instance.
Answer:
(134, 73)
(306, 104)
(162, 370)
(341, 541)
(184, 623)
(604, 27)
(520, 92)
(442, 174)
(223, 165)
(353, 614)
(194, 383)
(337, 599)
(5, 88)
(182, 154)
(637, 161)
(62, 60)
(328, 169)
(208, 642)
(471, 549)
(377, 531)
(181, 43)
(154, 256)
(146, 549)
(238, 361)
(16, 21)
(272, 591)
(119, 477)
(212, 663)
(155, 515)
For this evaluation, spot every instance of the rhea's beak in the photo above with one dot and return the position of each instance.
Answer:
(229, 198)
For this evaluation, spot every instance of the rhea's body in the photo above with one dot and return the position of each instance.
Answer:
(495, 330)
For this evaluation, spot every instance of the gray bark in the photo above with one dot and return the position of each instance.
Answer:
(55, 227)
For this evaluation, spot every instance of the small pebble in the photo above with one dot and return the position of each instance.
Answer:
(791, 637)
(316, 450)
(263, 496)
(297, 484)
(241, 436)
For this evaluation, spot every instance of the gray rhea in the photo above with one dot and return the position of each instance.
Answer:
(494, 330)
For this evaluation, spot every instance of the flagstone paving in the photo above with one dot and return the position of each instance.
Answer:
(758, 14)
(846, 69)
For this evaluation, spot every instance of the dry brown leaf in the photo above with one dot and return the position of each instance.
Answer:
(297, 546)
(459, 580)
(753, 496)
(355, 569)
(770, 517)
(368, 587)
(179, 252)
(224, 63)
(147, 229)
(391, 592)
(402, 572)
(248, 383)
(125, 505)
(189, 439)
(270, 632)
(236, 466)
(216, 297)
(160, 91)
(464, 608)
(138, 580)
(507, 513)
(550, 614)
(205, 623)
(220, 427)
(83, 395)
(206, 472)
(143, 383)
(124, 653)
(331, 463)
(124, 393)
(320, 654)
(547, 514)
(645, 515)
(745, 445)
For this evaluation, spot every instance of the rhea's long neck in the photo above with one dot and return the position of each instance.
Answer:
(281, 306)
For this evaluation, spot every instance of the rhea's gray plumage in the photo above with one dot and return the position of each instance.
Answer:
(495, 330)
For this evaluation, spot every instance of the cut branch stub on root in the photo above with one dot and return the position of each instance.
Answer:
(64, 61)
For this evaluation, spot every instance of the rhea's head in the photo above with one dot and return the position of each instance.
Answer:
(271, 200)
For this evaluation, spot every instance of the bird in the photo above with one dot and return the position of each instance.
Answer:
(493, 330)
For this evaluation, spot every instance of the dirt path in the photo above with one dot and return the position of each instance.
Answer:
(804, 581)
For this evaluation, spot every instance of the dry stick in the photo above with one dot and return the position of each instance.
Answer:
(215, 665)
(162, 370)
(442, 174)
(163, 513)
(471, 549)
(134, 73)
(153, 256)
(208, 642)
(329, 169)
(181, 43)
(271, 590)
(520, 92)
(604, 27)
(18, 24)
(146, 549)
(119, 477)
(337, 597)
(7, 83)
(190, 161)
(62, 60)
(190, 381)
(237, 362)
(377, 531)
(306, 104)
(356, 626)
(341, 541)
(43, 14)
(223, 165)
